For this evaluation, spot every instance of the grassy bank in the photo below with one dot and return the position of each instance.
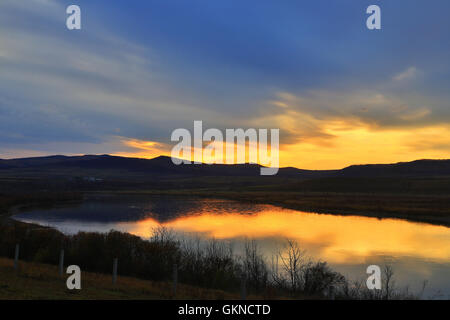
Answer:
(41, 281)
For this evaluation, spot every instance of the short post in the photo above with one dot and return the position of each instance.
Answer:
(61, 263)
(276, 267)
(115, 262)
(331, 293)
(16, 257)
(175, 280)
(243, 287)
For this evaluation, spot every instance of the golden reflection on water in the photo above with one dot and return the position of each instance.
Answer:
(336, 239)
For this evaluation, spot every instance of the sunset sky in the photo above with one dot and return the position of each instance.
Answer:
(339, 93)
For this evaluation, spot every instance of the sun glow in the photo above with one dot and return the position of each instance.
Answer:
(345, 145)
(364, 146)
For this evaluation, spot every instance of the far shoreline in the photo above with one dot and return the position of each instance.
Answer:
(339, 204)
(317, 203)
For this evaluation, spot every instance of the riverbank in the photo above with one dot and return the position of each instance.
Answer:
(432, 209)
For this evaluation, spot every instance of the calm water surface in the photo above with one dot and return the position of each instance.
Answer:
(417, 251)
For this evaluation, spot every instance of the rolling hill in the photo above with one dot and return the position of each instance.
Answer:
(163, 166)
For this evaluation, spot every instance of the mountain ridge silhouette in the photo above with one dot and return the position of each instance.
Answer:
(164, 165)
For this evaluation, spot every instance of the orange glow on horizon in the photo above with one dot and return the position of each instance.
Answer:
(364, 146)
(345, 146)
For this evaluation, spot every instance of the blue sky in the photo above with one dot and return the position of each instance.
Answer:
(139, 69)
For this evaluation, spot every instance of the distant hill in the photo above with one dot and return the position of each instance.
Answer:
(163, 166)
(414, 168)
(160, 165)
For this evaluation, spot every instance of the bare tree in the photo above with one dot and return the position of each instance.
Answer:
(255, 266)
(292, 261)
(389, 283)
(163, 235)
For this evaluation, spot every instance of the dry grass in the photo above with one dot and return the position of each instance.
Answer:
(41, 281)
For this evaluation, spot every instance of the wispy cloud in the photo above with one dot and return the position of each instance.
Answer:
(408, 74)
